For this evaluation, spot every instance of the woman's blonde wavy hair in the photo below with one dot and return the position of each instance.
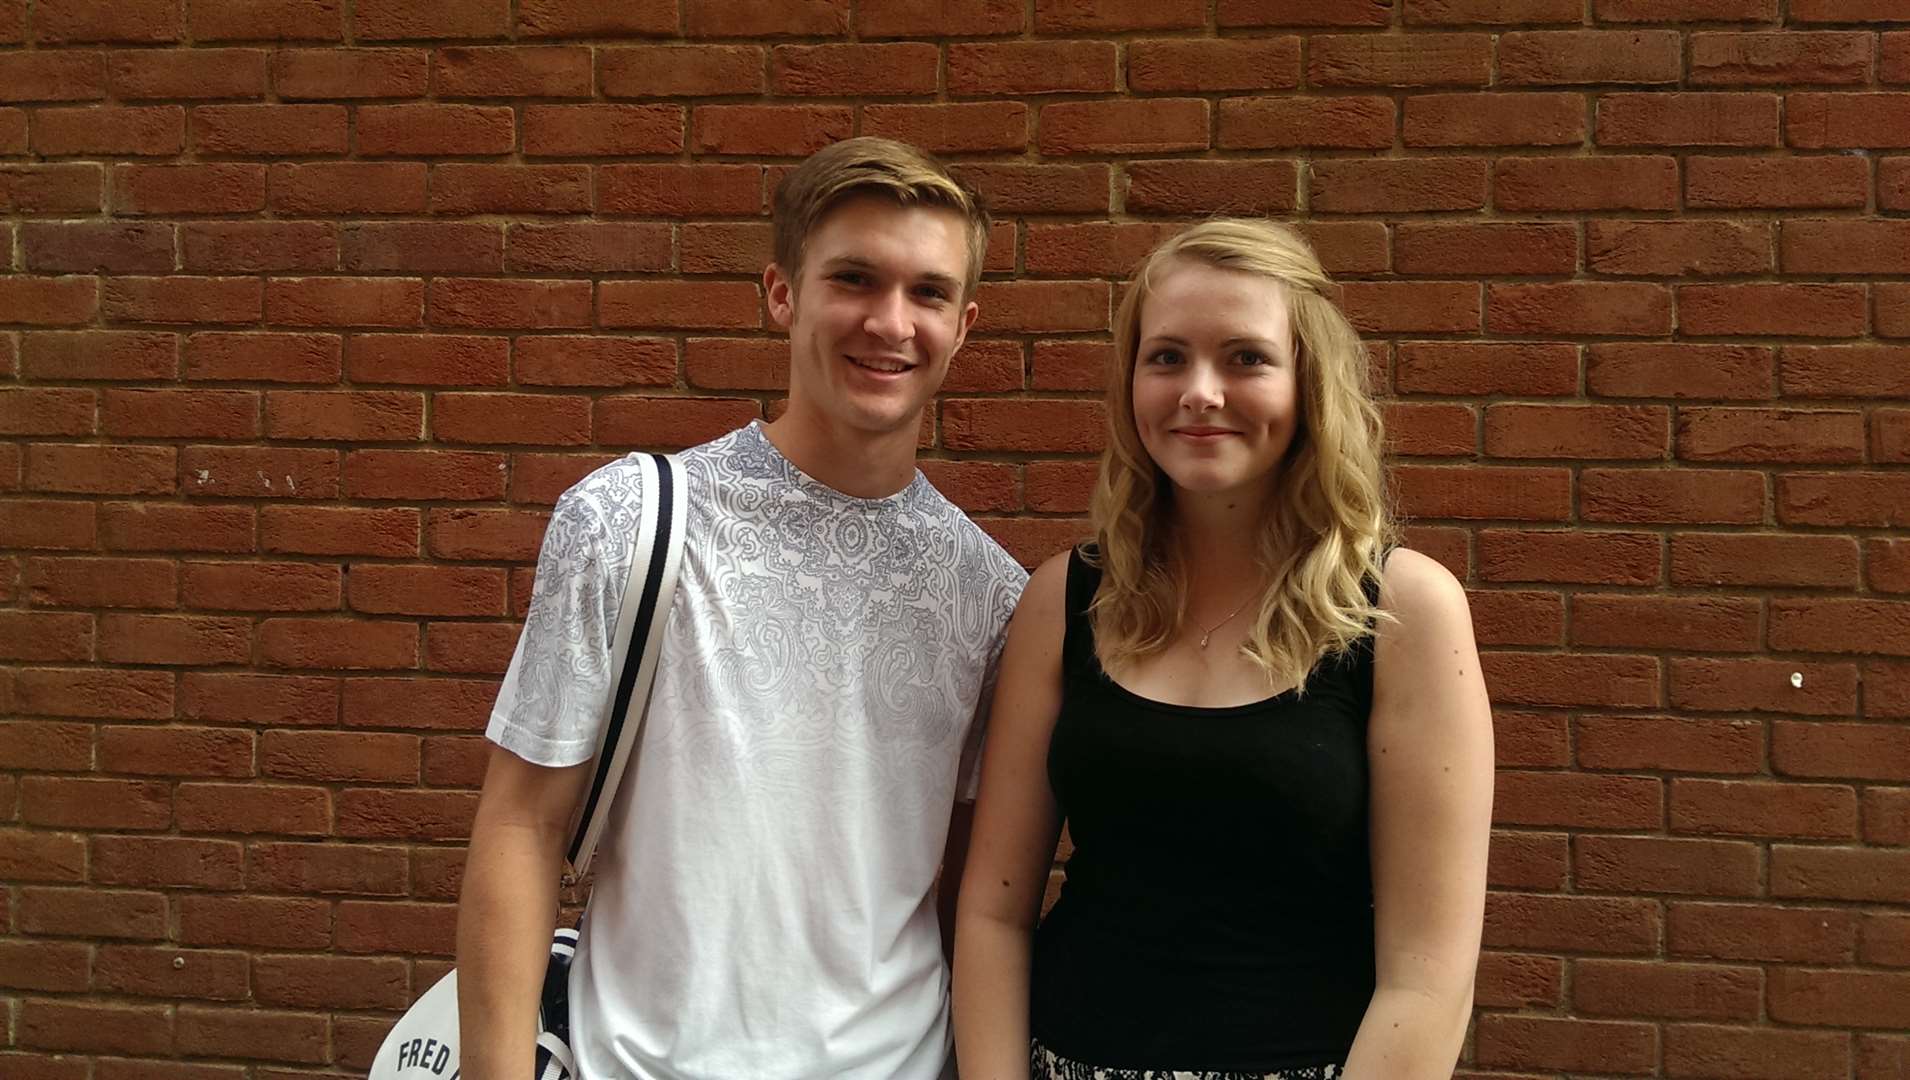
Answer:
(1328, 525)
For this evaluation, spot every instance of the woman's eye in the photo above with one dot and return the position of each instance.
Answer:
(1164, 356)
(1250, 358)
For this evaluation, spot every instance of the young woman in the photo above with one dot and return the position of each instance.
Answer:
(1265, 729)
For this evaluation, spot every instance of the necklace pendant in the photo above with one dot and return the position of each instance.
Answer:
(1204, 637)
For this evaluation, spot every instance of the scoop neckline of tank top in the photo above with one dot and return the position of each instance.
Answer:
(1215, 711)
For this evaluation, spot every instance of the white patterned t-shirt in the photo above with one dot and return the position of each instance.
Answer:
(763, 902)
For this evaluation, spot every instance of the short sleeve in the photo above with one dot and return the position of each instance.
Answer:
(1007, 579)
(554, 700)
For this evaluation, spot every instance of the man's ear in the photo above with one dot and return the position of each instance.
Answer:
(780, 291)
(969, 311)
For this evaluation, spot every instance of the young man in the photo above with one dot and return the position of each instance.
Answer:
(764, 894)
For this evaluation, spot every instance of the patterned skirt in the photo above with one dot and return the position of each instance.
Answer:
(1045, 1064)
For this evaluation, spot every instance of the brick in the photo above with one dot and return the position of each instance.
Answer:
(711, 247)
(1505, 617)
(1780, 58)
(423, 247)
(1207, 65)
(359, 416)
(261, 357)
(261, 471)
(1674, 249)
(1574, 57)
(424, 475)
(592, 247)
(538, 71)
(1612, 182)
(259, 246)
(95, 1028)
(181, 299)
(1348, 122)
(1602, 925)
(102, 130)
(1764, 686)
(101, 469)
(484, 534)
(51, 525)
(406, 815)
(147, 971)
(1419, 59)
(511, 418)
(330, 868)
(473, 648)
(1893, 310)
(87, 247)
(195, 414)
(1758, 809)
(175, 528)
(374, 20)
(51, 301)
(674, 305)
(1576, 431)
(1770, 435)
(390, 533)
(1841, 121)
(174, 639)
(1105, 16)
(434, 130)
(1670, 744)
(1718, 559)
(1527, 860)
(1806, 310)
(1303, 13)
(396, 927)
(1886, 815)
(44, 965)
(80, 803)
(1886, 690)
(505, 189)
(580, 18)
(338, 643)
(1529, 494)
(1846, 247)
(52, 75)
(1492, 12)
(669, 423)
(261, 921)
(1530, 119)
(1028, 425)
(1153, 125)
(1775, 183)
(175, 751)
(331, 982)
(419, 704)
(1580, 307)
(1664, 865)
(1650, 369)
(267, 20)
(1699, 624)
(110, 355)
(1524, 369)
(330, 302)
(1889, 563)
(1562, 679)
(1348, 247)
(1841, 751)
(594, 361)
(1890, 435)
(260, 586)
(340, 757)
(1649, 990)
(1844, 499)
(251, 1033)
(1578, 800)
(257, 130)
(426, 590)
(1649, 11)
(1840, 998)
(1671, 496)
(682, 71)
(1761, 933)
(488, 303)
(1705, 1051)
(699, 190)
(138, 21)
(1392, 186)
(602, 130)
(1032, 67)
(230, 188)
(166, 861)
(768, 130)
(1182, 187)
(348, 187)
(1577, 1045)
(92, 583)
(253, 809)
(335, 73)
(957, 18)
(47, 411)
(47, 746)
(1687, 119)
(33, 855)
(854, 70)
(429, 360)
(1388, 307)
(1040, 189)
(51, 189)
(1042, 306)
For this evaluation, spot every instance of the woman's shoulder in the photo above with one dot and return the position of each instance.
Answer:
(1421, 594)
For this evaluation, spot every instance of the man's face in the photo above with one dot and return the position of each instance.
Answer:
(875, 314)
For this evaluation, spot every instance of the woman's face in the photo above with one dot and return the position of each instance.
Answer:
(1215, 388)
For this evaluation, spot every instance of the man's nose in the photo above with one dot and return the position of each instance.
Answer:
(888, 317)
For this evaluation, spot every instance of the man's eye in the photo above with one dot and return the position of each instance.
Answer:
(850, 277)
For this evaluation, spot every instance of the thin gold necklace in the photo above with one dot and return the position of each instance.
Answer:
(1210, 630)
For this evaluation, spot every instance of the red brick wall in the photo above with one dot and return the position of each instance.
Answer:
(310, 309)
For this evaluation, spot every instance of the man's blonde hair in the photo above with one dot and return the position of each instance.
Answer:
(872, 166)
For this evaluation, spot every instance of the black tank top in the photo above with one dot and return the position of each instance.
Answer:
(1217, 912)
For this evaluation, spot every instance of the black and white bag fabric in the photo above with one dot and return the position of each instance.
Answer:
(423, 1044)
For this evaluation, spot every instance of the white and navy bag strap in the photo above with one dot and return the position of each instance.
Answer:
(647, 594)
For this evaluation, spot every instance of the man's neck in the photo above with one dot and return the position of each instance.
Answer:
(859, 464)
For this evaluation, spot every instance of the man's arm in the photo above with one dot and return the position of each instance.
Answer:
(508, 908)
